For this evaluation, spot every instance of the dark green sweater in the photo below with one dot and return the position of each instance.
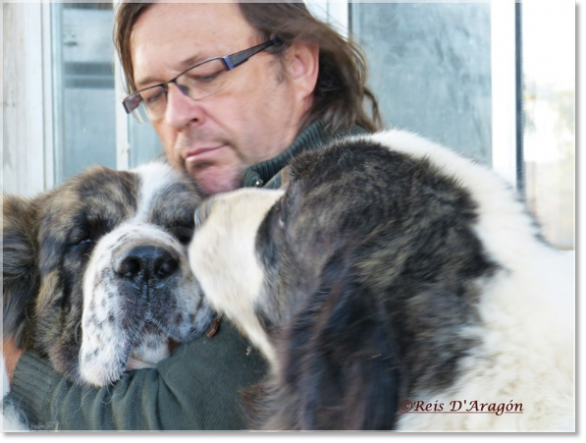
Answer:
(197, 388)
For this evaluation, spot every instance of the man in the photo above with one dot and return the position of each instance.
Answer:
(229, 123)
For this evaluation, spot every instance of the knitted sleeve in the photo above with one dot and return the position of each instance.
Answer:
(197, 388)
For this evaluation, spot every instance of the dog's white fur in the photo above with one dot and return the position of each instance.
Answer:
(527, 310)
(246, 277)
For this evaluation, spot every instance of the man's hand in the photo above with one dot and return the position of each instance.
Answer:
(11, 355)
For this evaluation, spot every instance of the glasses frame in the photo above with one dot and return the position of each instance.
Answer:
(232, 61)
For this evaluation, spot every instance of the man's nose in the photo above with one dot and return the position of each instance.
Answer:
(181, 109)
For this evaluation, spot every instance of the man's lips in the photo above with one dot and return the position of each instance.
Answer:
(202, 154)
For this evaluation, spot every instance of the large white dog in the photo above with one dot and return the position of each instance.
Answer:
(394, 285)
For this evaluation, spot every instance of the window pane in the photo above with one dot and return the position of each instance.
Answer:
(144, 143)
(83, 87)
(549, 79)
(430, 67)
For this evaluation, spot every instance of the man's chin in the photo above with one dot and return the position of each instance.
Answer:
(213, 180)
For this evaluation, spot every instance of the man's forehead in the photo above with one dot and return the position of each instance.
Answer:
(168, 38)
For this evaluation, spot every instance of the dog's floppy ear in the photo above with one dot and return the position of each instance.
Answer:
(20, 276)
(342, 358)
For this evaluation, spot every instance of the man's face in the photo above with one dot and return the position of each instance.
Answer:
(254, 119)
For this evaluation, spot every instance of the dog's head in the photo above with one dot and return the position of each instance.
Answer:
(354, 281)
(96, 274)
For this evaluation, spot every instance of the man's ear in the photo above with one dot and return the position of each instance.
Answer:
(303, 68)
(20, 275)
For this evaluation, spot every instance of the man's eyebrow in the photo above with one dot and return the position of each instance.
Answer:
(191, 61)
(181, 66)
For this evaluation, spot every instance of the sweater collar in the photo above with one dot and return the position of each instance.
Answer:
(311, 138)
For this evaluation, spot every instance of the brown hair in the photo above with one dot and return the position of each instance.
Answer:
(340, 92)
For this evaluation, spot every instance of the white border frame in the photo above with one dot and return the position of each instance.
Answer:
(504, 89)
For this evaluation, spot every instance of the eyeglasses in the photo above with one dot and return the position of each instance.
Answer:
(199, 81)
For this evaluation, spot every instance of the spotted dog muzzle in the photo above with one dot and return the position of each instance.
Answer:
(138, 292)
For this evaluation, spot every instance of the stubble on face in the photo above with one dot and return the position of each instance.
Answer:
(252, 121)
(223, 171)
(213, 180)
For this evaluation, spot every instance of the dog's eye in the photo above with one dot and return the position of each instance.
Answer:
(79, 236)
(82, 245)
(81, 240)
(183, 234)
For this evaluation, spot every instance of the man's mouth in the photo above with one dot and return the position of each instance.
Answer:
(204, 154)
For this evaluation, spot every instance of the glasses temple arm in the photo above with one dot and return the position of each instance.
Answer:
(237, 59)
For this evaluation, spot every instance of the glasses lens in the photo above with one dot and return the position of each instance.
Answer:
(146, 104)
(154, 102)
(199, 82)
(140, 114)
(204, 80)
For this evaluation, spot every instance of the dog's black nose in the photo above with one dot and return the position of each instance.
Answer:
(146, 263)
